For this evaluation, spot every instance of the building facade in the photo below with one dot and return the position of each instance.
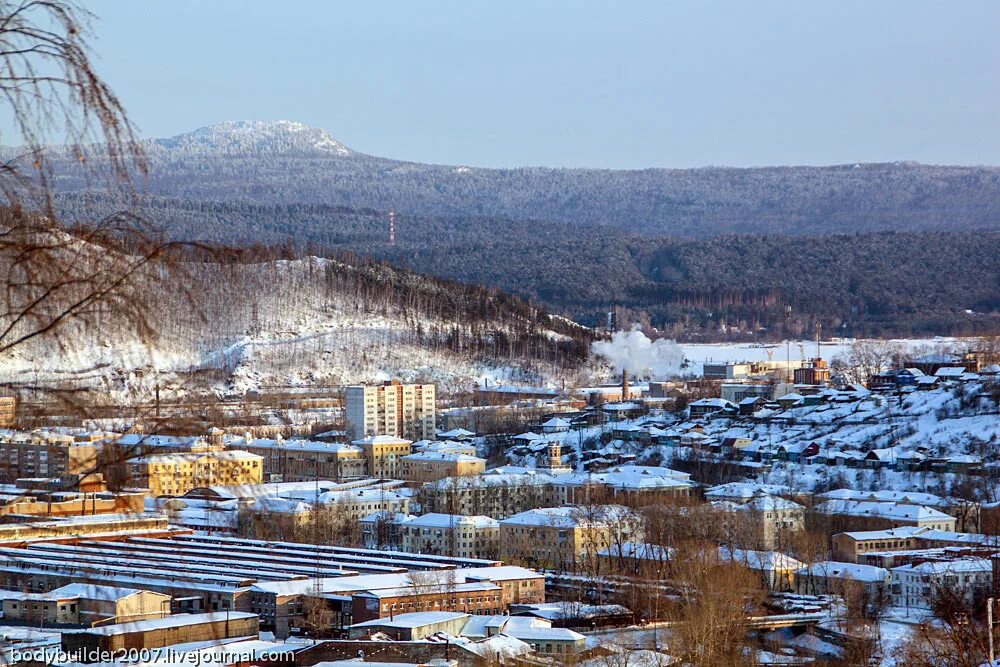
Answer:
(304, 460)
(452, 535)
(424, 467)
(400, 410)
(176, 474)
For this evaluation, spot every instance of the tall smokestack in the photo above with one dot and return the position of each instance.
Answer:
(624, 385)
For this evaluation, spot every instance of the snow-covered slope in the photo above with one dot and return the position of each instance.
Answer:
(230, 328)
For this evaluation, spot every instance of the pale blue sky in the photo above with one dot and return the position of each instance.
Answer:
(575, 83)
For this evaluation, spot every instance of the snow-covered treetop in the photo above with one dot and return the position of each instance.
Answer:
(256, 136)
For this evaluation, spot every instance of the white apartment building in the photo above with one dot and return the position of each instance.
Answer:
(918, 585)
(392, 408)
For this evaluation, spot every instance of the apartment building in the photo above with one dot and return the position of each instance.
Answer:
(860, 515)
(47, 454)
(427, 466)
(564, 538)
(919, 585)
(392, 408)
(630, 485)
(452, 535)
(508, 490)
(498, 493)
(354, 503)
(176, 474)
(384, 455)
(773, 519)
(304, 460)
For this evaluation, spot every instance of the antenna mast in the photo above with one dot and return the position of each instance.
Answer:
(392, 228)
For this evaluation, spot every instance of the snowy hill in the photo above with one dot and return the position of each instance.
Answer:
(252, 137)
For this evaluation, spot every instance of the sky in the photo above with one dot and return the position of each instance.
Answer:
(574, 83)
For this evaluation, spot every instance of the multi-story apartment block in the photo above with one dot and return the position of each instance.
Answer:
(499, 493)
(431, 466)
(452, 535)
(920, 585)
(176, 474)
(384, 455)
(400, 410)
(564, 538)
(304, 460)
(503, 492)
(47, 454)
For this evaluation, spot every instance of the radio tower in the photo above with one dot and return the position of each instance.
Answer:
(392, 228)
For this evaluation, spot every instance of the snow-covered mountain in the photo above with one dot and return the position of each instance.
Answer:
(254, 137)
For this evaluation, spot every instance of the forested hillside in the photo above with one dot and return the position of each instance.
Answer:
(900, 249)
(915, 283)
(290, 163)
(237, 320)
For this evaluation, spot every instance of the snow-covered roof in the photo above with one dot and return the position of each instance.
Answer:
(745, 490)
(413, 620)
(172, 621)
(280, 505)
(437, 520)
(713, 403)
(838, 570)
(457, 433)
(765, 503)
(902, 532)
(760, 560)
(529, 436)
(556, 422)
(566, 517)
(625, 406)
(885, 495)
(638, 551)
(187, 457)
(452, 457)
(947, 566)
(949, 371)
(297, 445)
(628, 477)
(381, 440)
(884, 510)
(560, 610)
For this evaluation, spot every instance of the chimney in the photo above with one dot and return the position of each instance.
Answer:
(625, 394)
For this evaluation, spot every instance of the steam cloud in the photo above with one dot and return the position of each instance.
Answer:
(632, 351)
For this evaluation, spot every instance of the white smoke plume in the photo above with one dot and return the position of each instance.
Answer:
(634, 352)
